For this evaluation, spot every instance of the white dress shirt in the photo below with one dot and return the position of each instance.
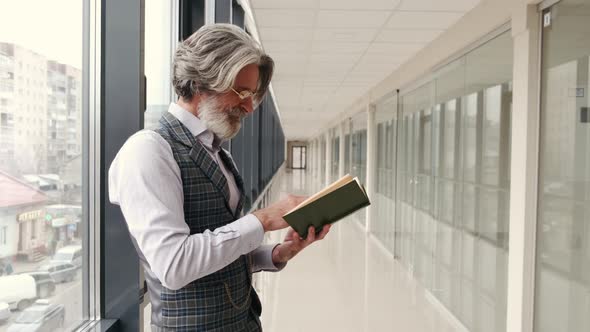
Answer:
(144, 179)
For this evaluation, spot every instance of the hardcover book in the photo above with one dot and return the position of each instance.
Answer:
(329, 205)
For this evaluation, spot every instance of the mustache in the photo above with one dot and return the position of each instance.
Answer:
(237, 112)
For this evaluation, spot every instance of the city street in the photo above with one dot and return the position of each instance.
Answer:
(69, 294)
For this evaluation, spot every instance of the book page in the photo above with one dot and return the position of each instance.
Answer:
(360, 186)
(339, 183)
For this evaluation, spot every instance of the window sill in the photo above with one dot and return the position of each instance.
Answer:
(103, 325)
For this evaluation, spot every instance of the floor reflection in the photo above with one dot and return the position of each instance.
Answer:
(346, 283)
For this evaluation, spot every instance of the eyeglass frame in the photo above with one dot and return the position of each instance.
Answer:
(242, 96)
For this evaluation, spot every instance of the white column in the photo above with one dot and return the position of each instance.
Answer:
(328, 157)
(342, 148)
(371, 161)
(524, 168)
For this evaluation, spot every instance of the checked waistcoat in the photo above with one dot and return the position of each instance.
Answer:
(224, 300)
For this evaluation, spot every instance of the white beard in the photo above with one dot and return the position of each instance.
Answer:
(225, 123)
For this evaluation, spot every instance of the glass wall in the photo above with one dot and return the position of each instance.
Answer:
(42, 224)
(335, 158)
(563, 231)
(358, 166)
(385, 180)
(414, 151)
(453, 184)
(347, 146)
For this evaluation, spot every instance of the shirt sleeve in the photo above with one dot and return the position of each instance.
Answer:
(144, 179)
(262, 259)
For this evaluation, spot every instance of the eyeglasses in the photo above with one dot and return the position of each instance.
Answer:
(244, 94)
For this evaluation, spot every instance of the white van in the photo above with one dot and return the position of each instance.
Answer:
(19, 291)
(70, 254)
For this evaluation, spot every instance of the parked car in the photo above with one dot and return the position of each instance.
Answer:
(70, 254)
(19, 291)
(4, 312)
(60, 272)
(45, 284)
(41, 316)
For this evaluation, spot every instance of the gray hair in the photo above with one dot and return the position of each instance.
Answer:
(211, 58)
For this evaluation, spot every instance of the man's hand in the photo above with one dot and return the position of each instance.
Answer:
(293, 244)
(271, 217)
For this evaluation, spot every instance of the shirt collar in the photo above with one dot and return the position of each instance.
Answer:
(195, 126)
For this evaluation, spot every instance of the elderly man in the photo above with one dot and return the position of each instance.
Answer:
(181, 194)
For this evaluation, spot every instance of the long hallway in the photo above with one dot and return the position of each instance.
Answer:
(348, 282)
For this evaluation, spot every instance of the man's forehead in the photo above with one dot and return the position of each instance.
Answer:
(247, 78)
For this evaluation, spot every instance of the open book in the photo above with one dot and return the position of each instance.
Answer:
(329, 205)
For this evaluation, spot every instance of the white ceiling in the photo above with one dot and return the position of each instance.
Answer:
(329, 52)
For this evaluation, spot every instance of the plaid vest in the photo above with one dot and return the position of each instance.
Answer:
(224, 300)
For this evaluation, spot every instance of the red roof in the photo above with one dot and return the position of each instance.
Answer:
(15, 193)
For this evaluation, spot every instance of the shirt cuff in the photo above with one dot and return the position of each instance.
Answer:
(251, 232)
(262, 259)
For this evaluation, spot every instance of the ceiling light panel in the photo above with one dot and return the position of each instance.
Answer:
(356, 4)
(338, 47)
(437, 5)
(345, 34)
(330, 58)
(284, 4)
(290, 47)
(285, 34)
(351, 19)
(394, 49)
(384, 59)
(288, 59)
(287, 18)
(421, 36)
(422, 20)
(321, 82)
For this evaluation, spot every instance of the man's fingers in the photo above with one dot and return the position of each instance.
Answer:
(296, 239)
(310, 235)
(291, 234)
(324, 232)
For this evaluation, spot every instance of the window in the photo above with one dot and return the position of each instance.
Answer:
(39, 208)
(159, 46)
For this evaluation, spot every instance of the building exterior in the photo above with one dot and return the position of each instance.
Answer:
(63, 113)
(40, 112)
(23, 230)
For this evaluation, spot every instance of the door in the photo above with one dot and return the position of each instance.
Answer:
(299, 155)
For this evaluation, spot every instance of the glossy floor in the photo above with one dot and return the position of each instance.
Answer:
(348, 282)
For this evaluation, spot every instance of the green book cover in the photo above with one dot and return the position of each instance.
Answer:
(328, 209)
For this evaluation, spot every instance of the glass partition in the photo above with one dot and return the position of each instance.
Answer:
(385, 181)
(335, 157)
(562, 298)
(359, 154)
(453, 184)
(347, 146)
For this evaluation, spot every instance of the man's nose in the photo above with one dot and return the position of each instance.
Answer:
(248, 105)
